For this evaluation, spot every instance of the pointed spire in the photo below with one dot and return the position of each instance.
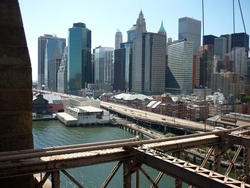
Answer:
(141, 14)
(162, 29)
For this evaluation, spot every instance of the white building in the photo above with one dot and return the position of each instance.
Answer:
(82, 115)
(180, 64)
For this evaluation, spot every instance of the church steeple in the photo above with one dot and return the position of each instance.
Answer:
(162, 29)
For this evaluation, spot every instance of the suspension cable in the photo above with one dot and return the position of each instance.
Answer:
(233, 18)
(242, 17)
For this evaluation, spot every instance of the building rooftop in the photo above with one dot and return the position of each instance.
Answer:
(130, 97)
(89, 109)
(50, 97)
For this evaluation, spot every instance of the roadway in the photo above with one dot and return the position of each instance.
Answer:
(154, 117)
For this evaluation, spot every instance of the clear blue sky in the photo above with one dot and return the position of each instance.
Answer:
(104, 17)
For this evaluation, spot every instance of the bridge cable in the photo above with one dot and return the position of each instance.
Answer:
(243, 22)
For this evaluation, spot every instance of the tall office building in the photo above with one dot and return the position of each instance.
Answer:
(209, 39)
(137, 65)
(240, 40)
(239, 56)
(180, 67)
(227, 82)
(119, 69)
(149, 60)
(190, 29)
(62, 73)
(79, 57)
(128, 64)
(50, 50)
(104, 65)
(220, 47)
(154, 64)
(131, 33)
(118, 39)
(206, 65)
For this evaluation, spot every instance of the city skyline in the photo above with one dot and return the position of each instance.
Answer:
(103, 23)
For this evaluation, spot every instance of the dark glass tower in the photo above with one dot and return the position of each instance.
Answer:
(79, 57)
(240, 40)
(50, 50)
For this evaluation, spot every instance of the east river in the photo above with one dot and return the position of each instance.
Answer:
(53, 133)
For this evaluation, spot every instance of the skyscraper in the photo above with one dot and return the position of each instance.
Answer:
(104, 65)
(128, 64)
(50, 50)
(190, 29)
(209, 39)
(220, 47)
(206, 65)
(119, 69)
(118, 39)
(62, 73)
(240, 40)
(137, 74)
(149, 60)
(180, 67)
(131, 33)
(79, 72)
(154, 64)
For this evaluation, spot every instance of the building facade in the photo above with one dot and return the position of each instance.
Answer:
(62, 73)
(154, 65)
(137, 66)
(148, 60)
(131, 33)
(128, 64)
(119, 69)
(180, 67)
(50, 50)
(220, 47)
(79, 72)
(226, 82)
(209, 39)
(206, 65)
(190, 29)
(104, 65)
(240, 40)
(118, 39)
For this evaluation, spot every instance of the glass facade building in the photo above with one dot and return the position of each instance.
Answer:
(131, 33)
(79, 65)
(50, 51)
(104, 65)
(128, 64)
(190, 29)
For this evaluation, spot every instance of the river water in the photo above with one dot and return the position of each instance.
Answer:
(53, 133)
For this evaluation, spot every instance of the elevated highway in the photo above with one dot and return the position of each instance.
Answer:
(156, 118)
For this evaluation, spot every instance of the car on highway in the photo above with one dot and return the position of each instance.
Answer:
(163, 119)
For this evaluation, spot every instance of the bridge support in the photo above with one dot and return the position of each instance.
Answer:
(126, 174)
(246, 164)
(217, 158)
(129, 167)
(178, 182)
(55, 179)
